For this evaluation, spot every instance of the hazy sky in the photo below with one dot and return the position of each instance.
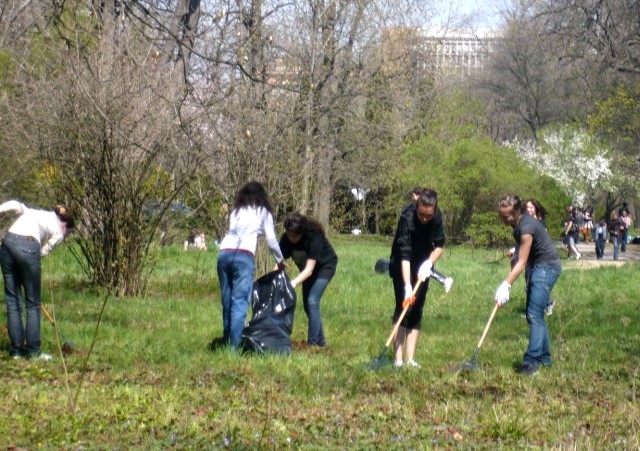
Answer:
(483, 13)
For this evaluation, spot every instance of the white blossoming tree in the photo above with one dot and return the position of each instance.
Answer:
(576, 160)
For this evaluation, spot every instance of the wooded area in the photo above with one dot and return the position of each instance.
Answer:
(145, 115)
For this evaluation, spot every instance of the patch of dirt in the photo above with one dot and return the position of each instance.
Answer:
(589, 260)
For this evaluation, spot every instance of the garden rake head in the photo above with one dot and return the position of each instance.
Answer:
(472, 364)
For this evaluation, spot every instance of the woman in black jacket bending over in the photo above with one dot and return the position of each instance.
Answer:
(305, 242)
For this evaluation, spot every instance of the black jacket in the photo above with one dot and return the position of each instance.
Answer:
(415, 241)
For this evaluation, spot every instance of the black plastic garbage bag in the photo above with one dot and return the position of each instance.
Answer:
(382, 266)
(273, 304)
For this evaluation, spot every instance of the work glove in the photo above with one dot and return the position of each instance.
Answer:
(502, 294)
(409, 298)
(425, 270)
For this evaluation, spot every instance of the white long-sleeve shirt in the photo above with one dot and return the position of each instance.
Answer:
(245, 225)
(44, 226)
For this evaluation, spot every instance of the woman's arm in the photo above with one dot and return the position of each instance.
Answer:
(305, 273)
(523, 255)
(271, 239)
(13, 205)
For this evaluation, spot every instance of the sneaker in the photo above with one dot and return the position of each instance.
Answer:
(447, 284)
(413, 364)
(16, 356)
(398, 364)
(549, 309)
(527, 369)
(41, 356)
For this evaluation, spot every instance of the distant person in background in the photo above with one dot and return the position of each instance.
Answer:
(417, 245)
(189, 242)
(199, 242)
(578, 219)
(613, 228)
(305, 242)
(571, 232)
(537, 255)
(32, 236)
(587, 225)
(626, 219)
(600, 236)
(252, 216)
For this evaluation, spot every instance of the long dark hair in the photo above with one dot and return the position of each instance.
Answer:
(252, 194)
(541, 213)
(300, 224)
(65, 214)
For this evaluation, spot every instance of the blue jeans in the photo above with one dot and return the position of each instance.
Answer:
(235, 272)
(616, 246)
(312, 291)
(599, 246)
(623, 240)
(541, 281)
(20, 261)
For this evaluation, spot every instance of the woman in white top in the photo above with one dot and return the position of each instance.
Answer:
(252, 216)
(31, 237)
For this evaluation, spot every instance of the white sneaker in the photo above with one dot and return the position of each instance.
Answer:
(447, 284)
(42, 356)
(398, 364)
(413, 364)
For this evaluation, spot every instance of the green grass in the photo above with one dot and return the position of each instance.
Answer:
(152, 381)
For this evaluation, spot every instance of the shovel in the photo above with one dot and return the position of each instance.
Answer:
(472, 363)
(381, 360)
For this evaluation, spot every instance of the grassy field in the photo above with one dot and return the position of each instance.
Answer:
(152, 382)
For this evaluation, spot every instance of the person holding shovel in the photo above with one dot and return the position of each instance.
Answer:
(418, 243)
(252, 216)
(32, 236)
(305, 242)
(537, 255)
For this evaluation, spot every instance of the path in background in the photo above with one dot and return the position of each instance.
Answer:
(588, 260)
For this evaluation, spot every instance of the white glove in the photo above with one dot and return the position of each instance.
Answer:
(424, 272)
(502, 294)
(408, 291)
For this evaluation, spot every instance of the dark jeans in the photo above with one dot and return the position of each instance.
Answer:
(623, 240)
(235, 272)
(20, 261)
(615, 239)
(312, 291)
(541, 281)
(599, 247)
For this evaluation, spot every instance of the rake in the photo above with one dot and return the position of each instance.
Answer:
(472, 363)
(381, 360)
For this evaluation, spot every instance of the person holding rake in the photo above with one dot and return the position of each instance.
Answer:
(418, 243)
(537, 255)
